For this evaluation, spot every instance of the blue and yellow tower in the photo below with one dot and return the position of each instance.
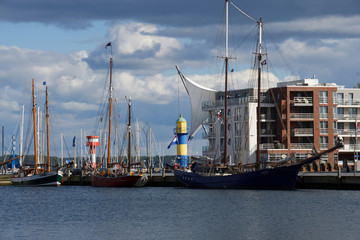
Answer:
(181, 132)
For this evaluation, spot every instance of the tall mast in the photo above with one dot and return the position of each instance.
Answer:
(110, 109)
(21, 135)
(226, 77)
(47, 131)
(258, 154)
(34, 122)
(129, 137)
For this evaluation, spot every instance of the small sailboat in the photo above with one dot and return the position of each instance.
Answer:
(116, 175)
(257, 175)
(36, 175)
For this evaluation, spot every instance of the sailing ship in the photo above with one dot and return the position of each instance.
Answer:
(37, 175)
(253, 172)
(116, 175)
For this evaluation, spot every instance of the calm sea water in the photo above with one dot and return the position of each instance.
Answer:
(74, 212)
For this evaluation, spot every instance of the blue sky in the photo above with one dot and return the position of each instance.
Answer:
(62, 43)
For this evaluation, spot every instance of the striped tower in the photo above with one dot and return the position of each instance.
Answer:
(92, 142)
(181, 132)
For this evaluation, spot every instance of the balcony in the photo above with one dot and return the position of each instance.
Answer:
(303, 101)
(301, 145)
(303, 132)
(267, 118)
(309, 116)
(350, 102)
(346, 132)
(266, 146)
(350, 148)
(346, 117)
(266, 133)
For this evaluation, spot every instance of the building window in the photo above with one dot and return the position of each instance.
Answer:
(237, 129)
(323, 97)
(351, 98)
(340, 98)
(237, 114)
(323, 112)
(323, 127)
(352, 112)
(324, 142)
(340, 113)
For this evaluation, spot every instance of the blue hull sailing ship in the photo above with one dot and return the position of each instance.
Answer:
(254, 172)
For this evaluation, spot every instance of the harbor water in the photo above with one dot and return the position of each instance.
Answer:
(84, 212)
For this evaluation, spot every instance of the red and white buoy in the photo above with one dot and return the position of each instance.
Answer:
(92, 142)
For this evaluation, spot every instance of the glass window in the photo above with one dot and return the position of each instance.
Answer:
(352, 111)
(237, 129)
(324, 142)
(323, 111)
(340, 98)
(237, 114)
(323, 96)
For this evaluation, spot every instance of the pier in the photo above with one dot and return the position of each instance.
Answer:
(305, 180)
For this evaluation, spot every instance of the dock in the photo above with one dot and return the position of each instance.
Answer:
(305, 180)
(328, 180)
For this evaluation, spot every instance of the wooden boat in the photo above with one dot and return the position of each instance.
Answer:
(36, 175)
(122, 176)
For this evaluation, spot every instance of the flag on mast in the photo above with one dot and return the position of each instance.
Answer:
(108, 45)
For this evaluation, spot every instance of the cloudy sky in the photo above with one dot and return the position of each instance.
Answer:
(62, 43)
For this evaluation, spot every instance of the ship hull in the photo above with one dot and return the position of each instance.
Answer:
(44, 179)
(276, 178)
(119, 181)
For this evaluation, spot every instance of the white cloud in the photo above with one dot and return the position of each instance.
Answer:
(135, 36)
(79, 106)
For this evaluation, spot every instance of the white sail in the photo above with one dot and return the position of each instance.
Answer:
(199, 95)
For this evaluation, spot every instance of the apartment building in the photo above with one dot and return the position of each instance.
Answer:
(298, 118)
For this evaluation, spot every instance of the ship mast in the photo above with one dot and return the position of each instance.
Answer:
(258, 153)
(226, 79)
(110, 113)
(34, 122)
(47, 130)
(129, 137)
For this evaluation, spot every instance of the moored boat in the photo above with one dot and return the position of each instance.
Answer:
(36, 175)
(243, 167)
(122, 176)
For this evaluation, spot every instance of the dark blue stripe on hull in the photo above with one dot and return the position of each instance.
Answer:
(45, 179)
(277, 178)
